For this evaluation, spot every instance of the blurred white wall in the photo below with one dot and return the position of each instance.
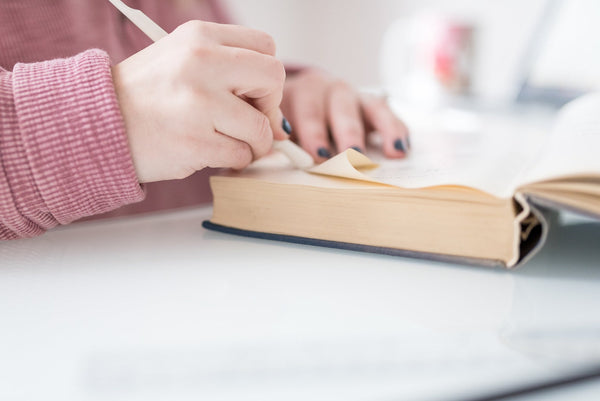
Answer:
(344, 36)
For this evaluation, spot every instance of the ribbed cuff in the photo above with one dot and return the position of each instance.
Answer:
(74, 136)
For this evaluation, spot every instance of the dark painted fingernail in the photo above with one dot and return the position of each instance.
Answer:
(324, 153)
(357, 149)
(399, 145)
(285, 124)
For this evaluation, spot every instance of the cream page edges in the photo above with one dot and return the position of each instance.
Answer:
(356, 166)
(350, 169)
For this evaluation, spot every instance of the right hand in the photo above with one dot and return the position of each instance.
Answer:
(207, 95)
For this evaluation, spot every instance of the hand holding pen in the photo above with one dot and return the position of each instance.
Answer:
(207, 95)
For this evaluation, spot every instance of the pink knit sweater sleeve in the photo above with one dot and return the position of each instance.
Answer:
(63, 149)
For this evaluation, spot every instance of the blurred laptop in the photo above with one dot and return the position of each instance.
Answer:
(563, 59)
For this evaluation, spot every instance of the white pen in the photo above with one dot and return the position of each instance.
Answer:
(298, 156)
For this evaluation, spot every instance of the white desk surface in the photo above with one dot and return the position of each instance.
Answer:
(156, 307)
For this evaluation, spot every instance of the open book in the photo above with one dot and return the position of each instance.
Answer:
(467, 197)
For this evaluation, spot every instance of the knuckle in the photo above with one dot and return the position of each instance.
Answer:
(314, 77)
(198, 28)
(193, 49)
(341, 87)
(276, 71)
(188, 28)
(199, 51)
(268, 43)
(340, 83)
(197, 33)
(241, 155)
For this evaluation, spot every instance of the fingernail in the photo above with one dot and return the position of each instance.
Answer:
(324, 153)
(399, 145)
(357, 149)
(285, 124)
(408, 142)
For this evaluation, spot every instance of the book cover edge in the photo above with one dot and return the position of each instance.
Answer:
(209, 225)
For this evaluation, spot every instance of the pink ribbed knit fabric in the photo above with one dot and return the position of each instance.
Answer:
(63, 147)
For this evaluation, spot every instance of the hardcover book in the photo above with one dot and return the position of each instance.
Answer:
(463, 197)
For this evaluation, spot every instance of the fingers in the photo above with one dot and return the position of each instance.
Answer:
(221, 151)
(239, 120)
(395, 135)
(306, 108)
(232, 36)
(259, 79)
(345, 118)
(206, 95)
(247, 38)
(323, 111)
(280, 126)
(244, 60)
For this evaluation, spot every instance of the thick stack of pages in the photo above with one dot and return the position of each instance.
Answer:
(471, 197)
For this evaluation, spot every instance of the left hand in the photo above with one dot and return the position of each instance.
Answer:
(329, 116)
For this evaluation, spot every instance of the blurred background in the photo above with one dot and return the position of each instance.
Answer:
(380, 43)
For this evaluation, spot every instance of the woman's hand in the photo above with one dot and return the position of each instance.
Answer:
(328, 116)
(207, 95)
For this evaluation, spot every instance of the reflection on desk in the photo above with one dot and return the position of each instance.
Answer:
(155, 307)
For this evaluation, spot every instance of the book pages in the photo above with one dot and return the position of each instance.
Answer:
(572, 148)
(488, 158)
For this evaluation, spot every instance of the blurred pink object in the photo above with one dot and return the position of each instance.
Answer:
(453, 60)
(427, 56)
